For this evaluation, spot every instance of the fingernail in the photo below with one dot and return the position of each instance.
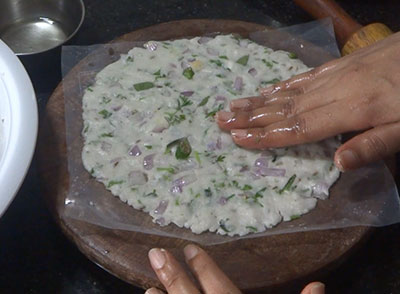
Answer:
(190, 251)
(224, 115)
(318, 288)
(346, 159)
(153, 291)
(240, 103)
(239, 133)
(157, 258)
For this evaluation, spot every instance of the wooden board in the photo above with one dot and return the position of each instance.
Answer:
(261, 264)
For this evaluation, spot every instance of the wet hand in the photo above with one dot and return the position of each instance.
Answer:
(209, 276)
(359, 92)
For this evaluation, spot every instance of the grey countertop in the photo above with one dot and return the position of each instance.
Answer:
(35, 257)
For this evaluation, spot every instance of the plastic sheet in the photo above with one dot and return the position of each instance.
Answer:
(366, 197)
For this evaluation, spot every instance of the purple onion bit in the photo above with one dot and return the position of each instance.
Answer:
(151, 46)
(187, 93)
(135, 151)
(106, 147)
(238, 84)
(212, 51)
(148, 161)
(320, 190)
(261, 162)
(220, 98)
(137, 177)
(252, 71)
(162, 207)
(184, 65)
(204, 40)
(160, 221)
(222, 200)
(178, 184)
(269, 172)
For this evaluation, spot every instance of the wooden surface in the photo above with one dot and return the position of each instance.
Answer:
(343, 23)
(258, 264)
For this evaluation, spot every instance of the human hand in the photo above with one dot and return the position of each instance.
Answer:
(359, 92)
(210, 277)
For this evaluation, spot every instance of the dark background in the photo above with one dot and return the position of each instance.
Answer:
(35, 257)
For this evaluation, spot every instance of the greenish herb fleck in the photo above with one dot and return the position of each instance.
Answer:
(86, 129)
(143, 86)
(220, 158)
(246, 187)
(216, 61)
(129, 59)
(292, 55)
(183, 149)
(173, 118)
(213, 112)
(171, 170)
(288, 185)
(204, 101)
(158, 75)
(243, 60)
(273, 81)
(112, 183)
(222, 225)
(110, 135)
(294, 216)
(208, 192)
(230, 197)
(105, 114)
(251, 228)
(267, 63)
(152, 193)
(148, 146)
(197, 157)
(223, 57)
(89, 89)
(220, 76)
(188, 73)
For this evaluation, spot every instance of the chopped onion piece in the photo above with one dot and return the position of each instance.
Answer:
(261, 162)
(269, 172)
(204, 40)
(252, 71)
(187, 93)
(148, 161)
(160, 221)
(135, 151)
(137, 177)
(320, 190)
(162, 207)
(212, 51)
(151, 46)
(238, 84)
(222, 200)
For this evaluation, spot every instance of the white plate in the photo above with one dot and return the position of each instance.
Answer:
(18, 125)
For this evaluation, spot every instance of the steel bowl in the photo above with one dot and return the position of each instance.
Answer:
(35, 26)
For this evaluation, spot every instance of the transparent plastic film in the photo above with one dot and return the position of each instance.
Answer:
(365, 197)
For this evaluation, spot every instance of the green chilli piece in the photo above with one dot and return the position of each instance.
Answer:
(183, 149)
(288, 185)
(188, 73)
(112, 183)
(243, 60)
(105, 113)
(143, 86)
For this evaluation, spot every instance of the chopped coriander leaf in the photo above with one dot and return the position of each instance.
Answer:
(216, 61)
(183, 150)
(204, 101)
(171, 170)
(220, 158)
(267, 63)
(91, 171)
(197, 157)
(112, 183)
(273, 81)
(152, 193)
(188, 73)
(213, 112)
(105, 113)
(208, 192)
(243, 60)
(222, 225)
(120, 96)
(251, 228)
(230, 196)
(247, 187)
(89, 89)
(159, 75)
(129, 59)
(223, 57)
(288, 185)
(143, 86)
(274, 158)
(220, 76)
(177, 202)
(86, 129)
(173, 118)
(294, 216)
(182, 102)
(259, 193)
(167, 84)
(292, 55)
(110, 135)
(148, 146)
(105, 100)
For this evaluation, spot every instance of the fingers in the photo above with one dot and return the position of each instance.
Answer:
(311, 126)
(210, 276)
(314, 288)
(370, 146)
(170, 273)
(153, 291)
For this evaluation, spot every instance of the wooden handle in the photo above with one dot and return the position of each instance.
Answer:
(344, 24)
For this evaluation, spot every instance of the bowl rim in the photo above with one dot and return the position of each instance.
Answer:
(23, 126)
(83, 13)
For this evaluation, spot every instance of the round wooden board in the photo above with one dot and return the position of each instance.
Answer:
(259, 264)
